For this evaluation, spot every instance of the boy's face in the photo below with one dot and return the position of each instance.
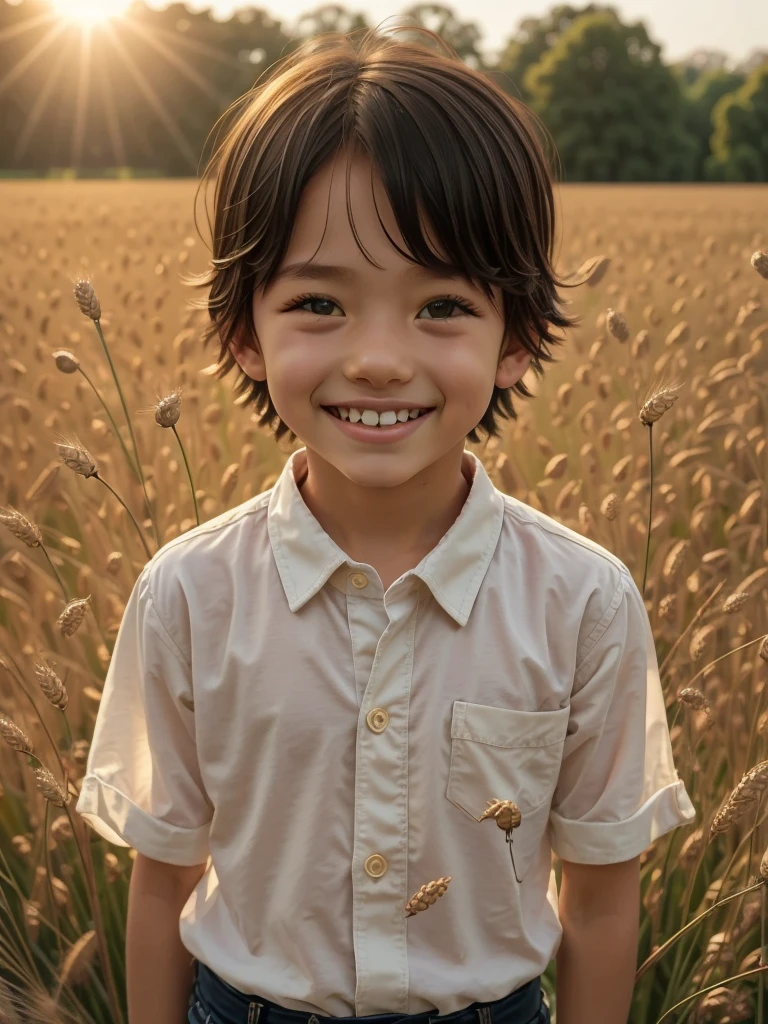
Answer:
(386, 332)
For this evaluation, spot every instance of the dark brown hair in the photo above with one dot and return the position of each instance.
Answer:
(450, 146)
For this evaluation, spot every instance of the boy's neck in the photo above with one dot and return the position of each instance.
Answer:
(391, 529)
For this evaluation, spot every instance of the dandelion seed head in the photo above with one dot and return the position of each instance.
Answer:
(168, 409)
(760, 262)
(66, 361)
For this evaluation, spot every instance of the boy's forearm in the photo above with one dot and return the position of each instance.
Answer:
(159, 971)
(595, 966)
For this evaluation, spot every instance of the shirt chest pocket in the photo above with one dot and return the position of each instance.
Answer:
(501, 754)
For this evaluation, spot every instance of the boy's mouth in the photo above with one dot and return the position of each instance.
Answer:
(370, 418)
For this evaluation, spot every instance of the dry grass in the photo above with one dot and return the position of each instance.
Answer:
(661, 394)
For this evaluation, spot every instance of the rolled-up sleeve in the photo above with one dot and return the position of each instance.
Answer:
(618, 789)
(142, 787)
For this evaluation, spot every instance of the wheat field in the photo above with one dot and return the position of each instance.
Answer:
(682, 502)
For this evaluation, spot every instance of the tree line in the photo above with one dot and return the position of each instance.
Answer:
(144, 91)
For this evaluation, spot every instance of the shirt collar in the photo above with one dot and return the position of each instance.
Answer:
(307, 557)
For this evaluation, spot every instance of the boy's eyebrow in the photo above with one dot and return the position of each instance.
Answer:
(315, 271)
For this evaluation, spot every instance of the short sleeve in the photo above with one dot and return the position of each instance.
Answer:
(618, 789)
(142, 786)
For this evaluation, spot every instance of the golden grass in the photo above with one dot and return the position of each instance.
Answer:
(648, 435)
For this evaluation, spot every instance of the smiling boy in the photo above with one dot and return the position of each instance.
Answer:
(379, 338)
(321, 690)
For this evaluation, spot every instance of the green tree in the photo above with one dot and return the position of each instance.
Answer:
(533, 38)
(146, 94)
(613, 108)
(463, 36)
(740, 136)
(699, 102)
(700, 62)
(329, 18)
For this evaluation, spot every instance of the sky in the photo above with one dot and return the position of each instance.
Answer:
(679, 26)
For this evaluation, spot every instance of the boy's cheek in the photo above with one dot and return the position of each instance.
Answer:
(295, 374)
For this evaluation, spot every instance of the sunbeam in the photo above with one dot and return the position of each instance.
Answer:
(109, 37)
(30, 57)
(89, 12)
(178, 62)
(83, 97)
(154, 100)
(33, 118)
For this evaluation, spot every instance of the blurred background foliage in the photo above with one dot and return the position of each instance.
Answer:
(140, 95)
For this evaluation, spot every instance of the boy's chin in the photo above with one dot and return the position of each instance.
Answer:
(372, 465)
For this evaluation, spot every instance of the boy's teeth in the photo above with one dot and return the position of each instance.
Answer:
(378, 419)
(371, 418)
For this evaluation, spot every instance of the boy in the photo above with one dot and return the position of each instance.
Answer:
(314, 698)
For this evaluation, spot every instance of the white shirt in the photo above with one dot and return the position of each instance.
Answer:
(514, 662)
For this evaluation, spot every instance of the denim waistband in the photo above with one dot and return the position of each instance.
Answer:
(230, 1006)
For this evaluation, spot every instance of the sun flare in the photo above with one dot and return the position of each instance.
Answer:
(89, 12)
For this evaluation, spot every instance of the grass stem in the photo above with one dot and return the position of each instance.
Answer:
(189, 473)
(763, 956)
(116, 379)
(703, 991)
(659, 953)
(133, 518)
(55, 572)
(129, 458)
(650, 507)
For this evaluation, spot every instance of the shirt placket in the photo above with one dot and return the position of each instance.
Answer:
(379, 858)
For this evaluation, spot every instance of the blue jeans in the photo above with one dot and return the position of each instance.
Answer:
(214, 1001)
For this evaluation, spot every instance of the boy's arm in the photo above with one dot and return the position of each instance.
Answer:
(597, 958)
(159, 973)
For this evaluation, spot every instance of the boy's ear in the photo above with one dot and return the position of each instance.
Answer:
(512, 365)
(246, 352)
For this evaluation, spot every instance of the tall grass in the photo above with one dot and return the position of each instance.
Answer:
(649, 436)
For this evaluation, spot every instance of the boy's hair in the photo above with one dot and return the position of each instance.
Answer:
(447, 142)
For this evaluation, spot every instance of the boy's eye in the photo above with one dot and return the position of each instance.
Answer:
(445, 306)
(317, 304)
(441, 309)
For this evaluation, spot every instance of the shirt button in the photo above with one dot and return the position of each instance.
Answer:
(358, 579)
(376, 866)
(377, 719)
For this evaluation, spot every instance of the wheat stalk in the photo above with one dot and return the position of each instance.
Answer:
(661, 399)
(89, 306)
(77, 458)
(28, 532)
(167, 412)
(67, 362)
(748, 790)
(72, 617)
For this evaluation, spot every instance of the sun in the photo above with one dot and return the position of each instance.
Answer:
(89, 12)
